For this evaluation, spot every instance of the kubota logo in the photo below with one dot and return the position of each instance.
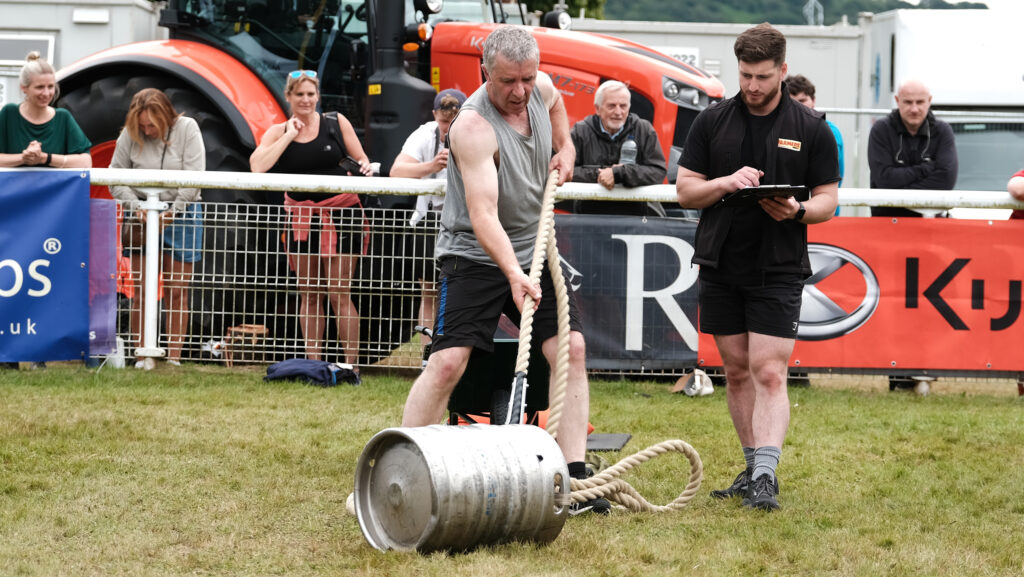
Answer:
(821, 318)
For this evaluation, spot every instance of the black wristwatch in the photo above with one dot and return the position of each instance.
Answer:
(49, 158)
(799, 216)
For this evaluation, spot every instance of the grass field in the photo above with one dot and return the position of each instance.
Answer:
(207, 471)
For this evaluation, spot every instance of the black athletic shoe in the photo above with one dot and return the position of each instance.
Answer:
(737, 489)
(601, 506)
(761, 494)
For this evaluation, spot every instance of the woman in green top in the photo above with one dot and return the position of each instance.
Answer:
(34, 133)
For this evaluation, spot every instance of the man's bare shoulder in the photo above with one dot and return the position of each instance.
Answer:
(547, 89)
(472, 133)
(468, 121)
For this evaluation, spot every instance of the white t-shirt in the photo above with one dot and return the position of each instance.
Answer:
(423, 145)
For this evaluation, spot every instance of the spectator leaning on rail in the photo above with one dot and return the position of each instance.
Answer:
(34, 133)
(911, 149)
(501, 152)
(425, 155)
(156, 136)
(802, 90)
(753, 256)
(325, 234)
(599, 138)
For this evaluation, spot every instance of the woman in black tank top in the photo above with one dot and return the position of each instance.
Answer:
(325, 233)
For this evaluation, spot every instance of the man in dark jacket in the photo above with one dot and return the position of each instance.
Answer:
(911, 149)
(753, 255)
(599, 138)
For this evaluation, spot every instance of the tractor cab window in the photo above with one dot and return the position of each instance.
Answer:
(274, 37)
(471, 11)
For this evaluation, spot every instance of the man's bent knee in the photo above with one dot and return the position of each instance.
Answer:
(445, 367)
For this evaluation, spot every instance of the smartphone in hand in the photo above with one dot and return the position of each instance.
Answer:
(351, 165)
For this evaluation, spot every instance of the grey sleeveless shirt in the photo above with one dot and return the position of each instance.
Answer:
(522, 173)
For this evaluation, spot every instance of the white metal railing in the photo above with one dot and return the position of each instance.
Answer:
(935, 199)
(958, 114)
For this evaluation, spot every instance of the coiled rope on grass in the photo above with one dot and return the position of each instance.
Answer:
(607, 483)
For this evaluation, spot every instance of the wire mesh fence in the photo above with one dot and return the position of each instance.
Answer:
(266, 284)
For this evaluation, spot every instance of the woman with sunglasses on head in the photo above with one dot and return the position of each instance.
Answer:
(34, 133)
(325, 234)
(156, 136)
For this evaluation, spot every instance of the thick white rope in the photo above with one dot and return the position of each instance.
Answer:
(607, 483)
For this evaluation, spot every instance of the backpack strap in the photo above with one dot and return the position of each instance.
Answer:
(334, 129)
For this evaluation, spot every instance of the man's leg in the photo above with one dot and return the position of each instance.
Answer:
(739, 394)
(739, 389)
(429, 395)
(572, 429)
(769, 357)
(769, 360)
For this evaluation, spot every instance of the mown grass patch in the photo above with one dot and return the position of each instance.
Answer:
(209, 471)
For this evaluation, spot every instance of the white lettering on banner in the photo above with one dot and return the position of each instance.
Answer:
(16, 269)
(15, 328)
(33, 269)
(19, 276)
(665, 297)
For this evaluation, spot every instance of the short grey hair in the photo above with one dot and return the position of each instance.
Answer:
(34, 66)
(514, 43)
(606, 87)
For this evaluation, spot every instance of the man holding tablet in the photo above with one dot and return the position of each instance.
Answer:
(752, 248)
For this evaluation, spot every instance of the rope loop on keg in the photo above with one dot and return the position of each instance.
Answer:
(607, 483)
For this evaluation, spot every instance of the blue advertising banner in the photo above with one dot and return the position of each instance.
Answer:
(635, 287)
(44, 258)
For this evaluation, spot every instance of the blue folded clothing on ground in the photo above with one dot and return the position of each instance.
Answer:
(319, 373)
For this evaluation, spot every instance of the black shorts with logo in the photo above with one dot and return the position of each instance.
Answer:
(771, 307)
(471, 297)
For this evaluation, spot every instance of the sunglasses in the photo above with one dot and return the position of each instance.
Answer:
(299, 73)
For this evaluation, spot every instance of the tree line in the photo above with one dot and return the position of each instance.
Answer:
(739, 11)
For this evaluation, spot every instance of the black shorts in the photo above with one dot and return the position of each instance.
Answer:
(771, 308)
(421, 240)
(472, 296)
(348, 225)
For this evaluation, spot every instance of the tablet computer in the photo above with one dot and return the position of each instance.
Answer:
(752, 194)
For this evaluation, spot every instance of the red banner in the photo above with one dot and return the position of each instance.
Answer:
(939, 294)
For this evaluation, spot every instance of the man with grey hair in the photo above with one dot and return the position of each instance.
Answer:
(501, 147)
(598, 139)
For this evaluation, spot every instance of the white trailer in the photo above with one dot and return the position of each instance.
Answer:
(971, 60)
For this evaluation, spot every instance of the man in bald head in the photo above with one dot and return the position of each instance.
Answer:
(911, 149)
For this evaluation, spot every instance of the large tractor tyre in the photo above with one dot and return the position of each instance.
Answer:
(100, 106)
(224, 290)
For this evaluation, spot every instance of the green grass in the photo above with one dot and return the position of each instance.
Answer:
(204, 471)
